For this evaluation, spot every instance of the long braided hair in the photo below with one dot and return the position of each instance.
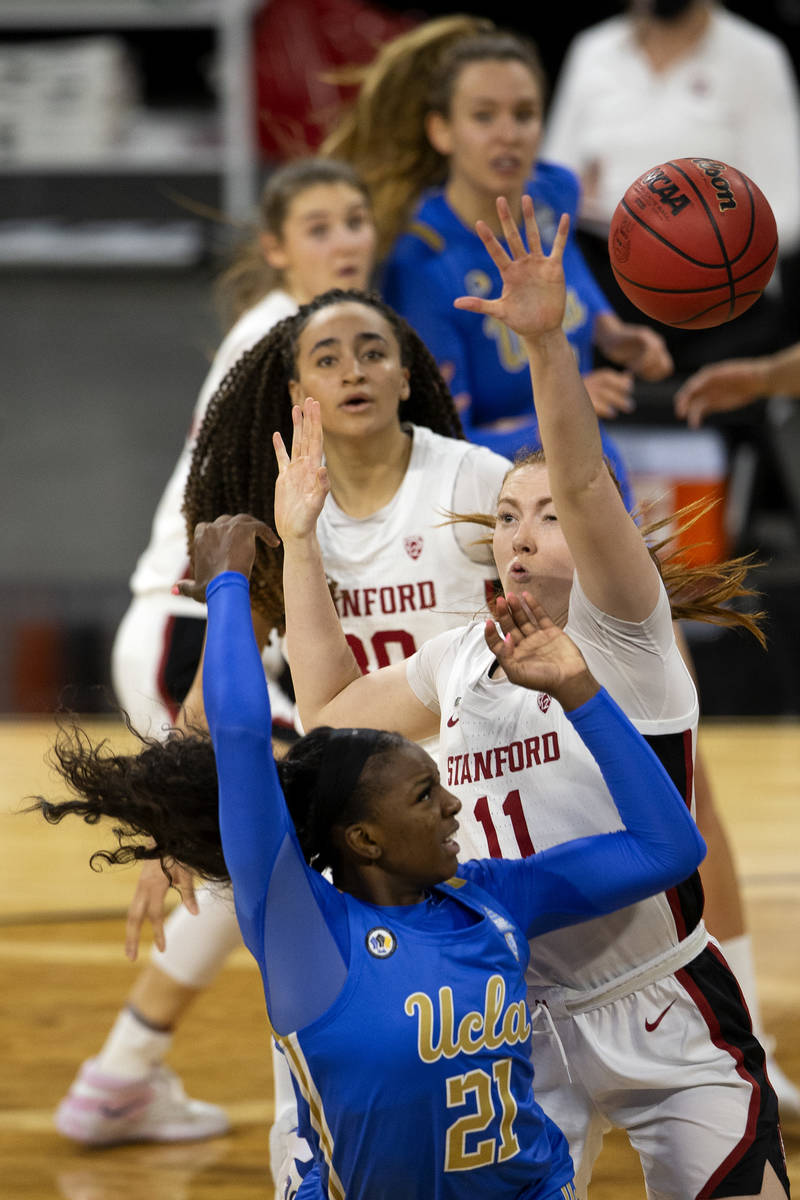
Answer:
(382, 134)
(233, 466)
(164, 798)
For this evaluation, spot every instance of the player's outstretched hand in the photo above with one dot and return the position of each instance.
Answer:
(227, 544)
(302, 482)
(721, 387)
(534, 293)
(537, 654)
(638, 348)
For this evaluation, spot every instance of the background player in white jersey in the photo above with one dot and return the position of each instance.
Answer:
(649, 1017)
(316, 232)
(402, 573)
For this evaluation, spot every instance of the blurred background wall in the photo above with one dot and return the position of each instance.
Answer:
(134, 138)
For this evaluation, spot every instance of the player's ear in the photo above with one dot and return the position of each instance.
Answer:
(274, 254)
(359, 840)
(437, 130)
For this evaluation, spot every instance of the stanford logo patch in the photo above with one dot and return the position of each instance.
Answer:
(413, 546)
(543, 701)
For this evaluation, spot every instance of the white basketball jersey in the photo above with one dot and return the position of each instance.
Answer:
(402, 575)
(527, 782)
(165, 559)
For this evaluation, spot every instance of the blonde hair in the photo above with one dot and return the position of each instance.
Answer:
(249, 276)
(383, 132)
(697, 592)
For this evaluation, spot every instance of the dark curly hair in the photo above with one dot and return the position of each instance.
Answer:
(164, 800)
(233, 465)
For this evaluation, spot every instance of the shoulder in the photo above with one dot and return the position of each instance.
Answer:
(603, 38)
(460, 457)
(256, 323)
(744, 36)
(428, 235)
(554, 182)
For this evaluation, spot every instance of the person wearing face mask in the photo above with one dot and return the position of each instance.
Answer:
(669, 79)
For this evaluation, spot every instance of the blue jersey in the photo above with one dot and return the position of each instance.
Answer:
(406, 1029)
(439, 258)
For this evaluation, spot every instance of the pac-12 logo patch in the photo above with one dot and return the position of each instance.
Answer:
(413, 546)
(381, 942)
(543, 701)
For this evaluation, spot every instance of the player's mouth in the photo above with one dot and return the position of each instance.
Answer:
(506, 164)
(450, 844)
(518, 574)
(351, 272)
(358, 402)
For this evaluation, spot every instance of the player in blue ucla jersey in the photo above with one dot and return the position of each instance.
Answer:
(438, 258)
(398, 994)
(448, 117)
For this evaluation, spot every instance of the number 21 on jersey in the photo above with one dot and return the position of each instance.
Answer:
(489, 1101)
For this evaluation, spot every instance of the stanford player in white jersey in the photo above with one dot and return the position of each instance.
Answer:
(645, 1027)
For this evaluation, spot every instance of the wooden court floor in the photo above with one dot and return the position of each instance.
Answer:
(64, 976)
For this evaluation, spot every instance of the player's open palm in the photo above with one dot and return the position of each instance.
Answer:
(534, 293)
(302, 483)
(537, 654)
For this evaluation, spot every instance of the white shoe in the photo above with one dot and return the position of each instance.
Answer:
(105, 1110)
(288, 1155)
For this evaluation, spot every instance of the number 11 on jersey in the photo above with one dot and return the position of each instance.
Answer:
(512, 807)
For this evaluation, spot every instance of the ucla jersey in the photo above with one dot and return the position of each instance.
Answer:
(401, 575)
(527, 782)
(448, 1111)
(440, 258)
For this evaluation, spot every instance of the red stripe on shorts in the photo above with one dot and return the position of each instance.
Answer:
(746, 1141)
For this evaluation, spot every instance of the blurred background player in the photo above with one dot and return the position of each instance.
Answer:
(447, 117)
(669, 79)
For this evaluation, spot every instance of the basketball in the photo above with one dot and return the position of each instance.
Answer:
(693, 243)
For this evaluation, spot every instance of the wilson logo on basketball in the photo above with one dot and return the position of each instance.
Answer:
(413, 546)
(543, 700)
(714, 172)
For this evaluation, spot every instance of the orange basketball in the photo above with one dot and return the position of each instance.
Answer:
(693, 243)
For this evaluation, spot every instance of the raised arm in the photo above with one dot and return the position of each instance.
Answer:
(269, 874)
(610, 555)
(329, 687)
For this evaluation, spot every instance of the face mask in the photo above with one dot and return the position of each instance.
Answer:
(667, 10)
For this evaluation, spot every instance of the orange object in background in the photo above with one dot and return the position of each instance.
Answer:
(670, 468)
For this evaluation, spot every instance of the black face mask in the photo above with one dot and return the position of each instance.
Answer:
(667, 10)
